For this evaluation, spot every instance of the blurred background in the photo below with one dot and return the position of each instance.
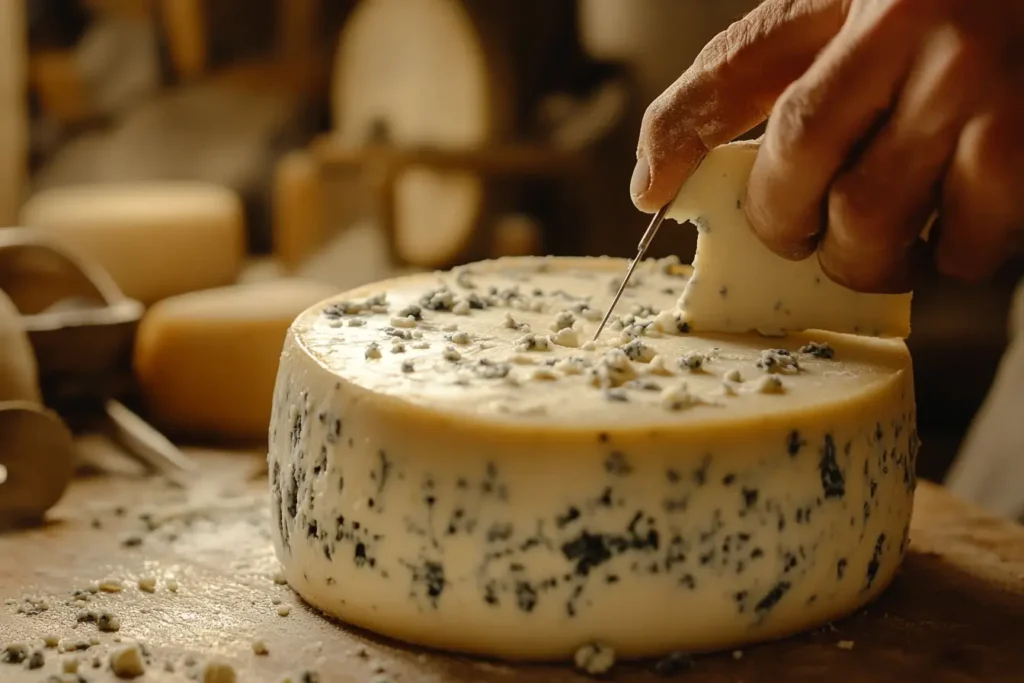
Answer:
(368, 138)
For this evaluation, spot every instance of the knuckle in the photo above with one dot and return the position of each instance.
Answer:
(793, 125)
(854, 271)
(730, 46)
(859, 209)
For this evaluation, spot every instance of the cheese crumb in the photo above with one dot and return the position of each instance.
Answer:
(778, 360)
(566, 337)
(678, 397)
(770, 384)
(69, 665)
(50, 640)
(259, 646)
(570, 366)
(216, 671)
(461, 308)
(406, 322)
(451, 354)
(147, 584)
(460, 338)
(171, 585)
(637, 351)
(671, 322)
(733, 375)
(692, 361)
(595, 659)
(126, 661)
(613, 370)
(284, 610)
(108, 623)
(544, 373)
(372, 351)
(659, 366)
(532, 342)
(845, 644)
(563, 320)
(111, 586)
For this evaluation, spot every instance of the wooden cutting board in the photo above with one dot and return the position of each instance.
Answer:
(955, 612)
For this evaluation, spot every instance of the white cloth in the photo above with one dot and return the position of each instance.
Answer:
(989, 469)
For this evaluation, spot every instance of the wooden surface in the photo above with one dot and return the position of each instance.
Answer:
(954, 613)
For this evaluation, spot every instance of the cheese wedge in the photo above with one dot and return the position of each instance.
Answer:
(739, 285)
(452, 464)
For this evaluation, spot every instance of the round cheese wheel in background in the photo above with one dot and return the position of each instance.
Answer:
(453, 465)
(421, 72)
(155, 239)
(206, 361)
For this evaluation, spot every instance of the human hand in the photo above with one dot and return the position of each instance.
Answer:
(883, 112)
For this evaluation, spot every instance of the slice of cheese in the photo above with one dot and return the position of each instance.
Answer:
(740, 285)
(155, 239)
(206, 361)
(450, 466)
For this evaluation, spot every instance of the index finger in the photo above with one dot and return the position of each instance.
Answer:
(730, 88)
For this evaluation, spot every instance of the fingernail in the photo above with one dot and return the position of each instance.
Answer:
(641, 180)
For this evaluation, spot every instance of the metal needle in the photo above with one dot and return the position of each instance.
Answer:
(641, 249)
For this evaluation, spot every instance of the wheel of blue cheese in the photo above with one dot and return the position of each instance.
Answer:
(453, 463)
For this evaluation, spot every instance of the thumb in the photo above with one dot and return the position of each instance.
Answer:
(730, 88)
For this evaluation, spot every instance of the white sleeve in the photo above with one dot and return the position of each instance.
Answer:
(989, 469)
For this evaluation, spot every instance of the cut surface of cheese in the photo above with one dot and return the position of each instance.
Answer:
(739, 285)
(206, 361)
(155, 239)
(452, 464)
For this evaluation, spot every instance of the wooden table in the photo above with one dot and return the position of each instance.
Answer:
(954, 613)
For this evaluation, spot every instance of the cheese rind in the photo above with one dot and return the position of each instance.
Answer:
(739, 285)
(473, 488)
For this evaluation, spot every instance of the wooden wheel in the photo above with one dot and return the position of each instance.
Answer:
(423, 73)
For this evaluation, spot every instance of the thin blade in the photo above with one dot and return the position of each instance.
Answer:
(622, 288)
(641, 249)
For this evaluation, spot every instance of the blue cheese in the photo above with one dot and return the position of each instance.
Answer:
(517, 498)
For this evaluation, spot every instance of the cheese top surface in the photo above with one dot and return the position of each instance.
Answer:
(740, 285)
(506, 341)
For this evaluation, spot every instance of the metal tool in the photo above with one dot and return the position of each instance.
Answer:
(641, 249)
(82, 327)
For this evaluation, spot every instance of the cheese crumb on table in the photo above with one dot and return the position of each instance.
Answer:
(594, 659)
(557, 495)
(126, 661)
(216, 671)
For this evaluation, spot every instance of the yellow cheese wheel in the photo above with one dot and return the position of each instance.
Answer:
(155, 239)
(206, 361)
